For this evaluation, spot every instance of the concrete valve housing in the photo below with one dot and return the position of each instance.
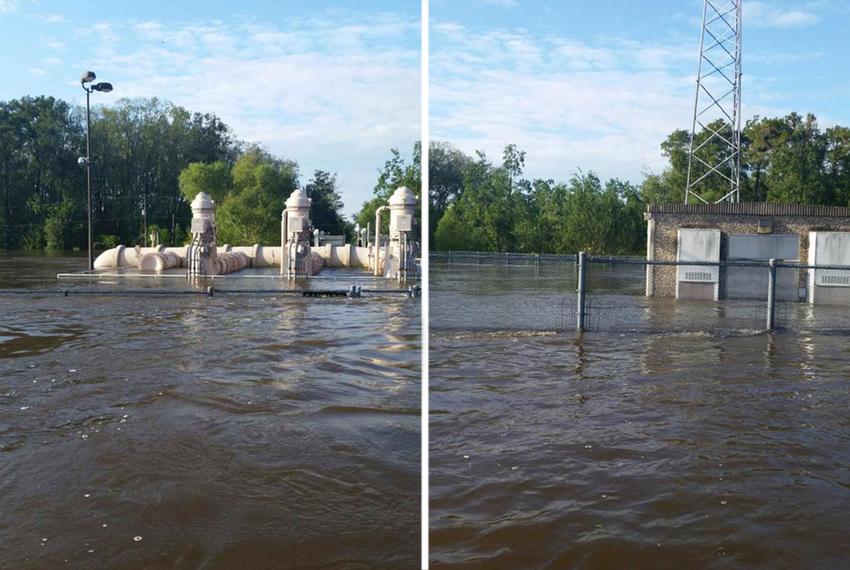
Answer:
(296, 231)
(400, 255)
(202, 252)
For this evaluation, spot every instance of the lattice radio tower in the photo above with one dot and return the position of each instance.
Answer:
(718, 96)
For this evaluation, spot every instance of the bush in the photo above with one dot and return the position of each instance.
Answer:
(34, 239)
(107, 241)
(58, 227)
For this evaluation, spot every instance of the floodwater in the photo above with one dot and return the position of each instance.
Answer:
(640, 451)
(186, 431)
(525, 298)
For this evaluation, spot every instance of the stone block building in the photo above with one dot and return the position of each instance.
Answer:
(747, 232)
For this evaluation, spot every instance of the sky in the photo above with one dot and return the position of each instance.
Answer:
(580, 85)
(333, 85)
(597, 85)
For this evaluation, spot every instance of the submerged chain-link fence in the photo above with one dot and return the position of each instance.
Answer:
(522, 292)
(502, 291)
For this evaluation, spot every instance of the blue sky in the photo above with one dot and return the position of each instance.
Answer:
(332, 84)
(597, 85)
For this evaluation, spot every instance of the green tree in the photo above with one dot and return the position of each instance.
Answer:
(213, 178)
(445, 177)
(40, 140)
(250, 213)
(762, 138)
(796, 170)
(491, 199)
(396, 172)
(59, 226)
(453, 233)
(498, 210)
(837, 174)
(326, 206)
(140, 146)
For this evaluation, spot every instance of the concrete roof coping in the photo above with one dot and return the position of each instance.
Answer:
(751, 209)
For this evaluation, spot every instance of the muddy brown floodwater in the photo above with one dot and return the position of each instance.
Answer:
(640, 451)
(195, 432)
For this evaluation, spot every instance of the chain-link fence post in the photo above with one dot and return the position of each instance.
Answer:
(580, 297)
(771, 295)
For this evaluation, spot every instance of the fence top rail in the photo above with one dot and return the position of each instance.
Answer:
(673, 262)
(498, 254)
(728, 263)
(807, 266)
(623, 260)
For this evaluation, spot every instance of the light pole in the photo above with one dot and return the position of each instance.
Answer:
(88, 77)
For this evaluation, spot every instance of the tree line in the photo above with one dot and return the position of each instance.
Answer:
(480, 205)
(149, 159)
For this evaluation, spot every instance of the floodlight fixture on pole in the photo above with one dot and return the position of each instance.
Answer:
(103, 87)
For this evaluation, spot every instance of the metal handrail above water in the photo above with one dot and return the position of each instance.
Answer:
(353, 291)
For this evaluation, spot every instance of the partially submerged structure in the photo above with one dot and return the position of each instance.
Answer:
(805, 248)
(296, 257)
(804, 235)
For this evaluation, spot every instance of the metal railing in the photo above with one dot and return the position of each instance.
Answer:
(559, 293)
(354, 291)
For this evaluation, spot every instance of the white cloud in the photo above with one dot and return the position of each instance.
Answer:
(53, 18)
(761, 14)
(8, 6)
(37, 71)
(604, 105)
(54, 44)
(332, 95)
(54, 61)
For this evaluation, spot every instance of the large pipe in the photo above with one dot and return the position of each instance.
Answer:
(182, 253)
(232, 261)
(158, 261)
(145, 257)
(260, 256)
(121, 256)
(283, 238)
(378, 237)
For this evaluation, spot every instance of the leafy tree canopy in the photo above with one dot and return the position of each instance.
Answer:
(397, 171)
(150, 158)
(479, 205)
(326, 207)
